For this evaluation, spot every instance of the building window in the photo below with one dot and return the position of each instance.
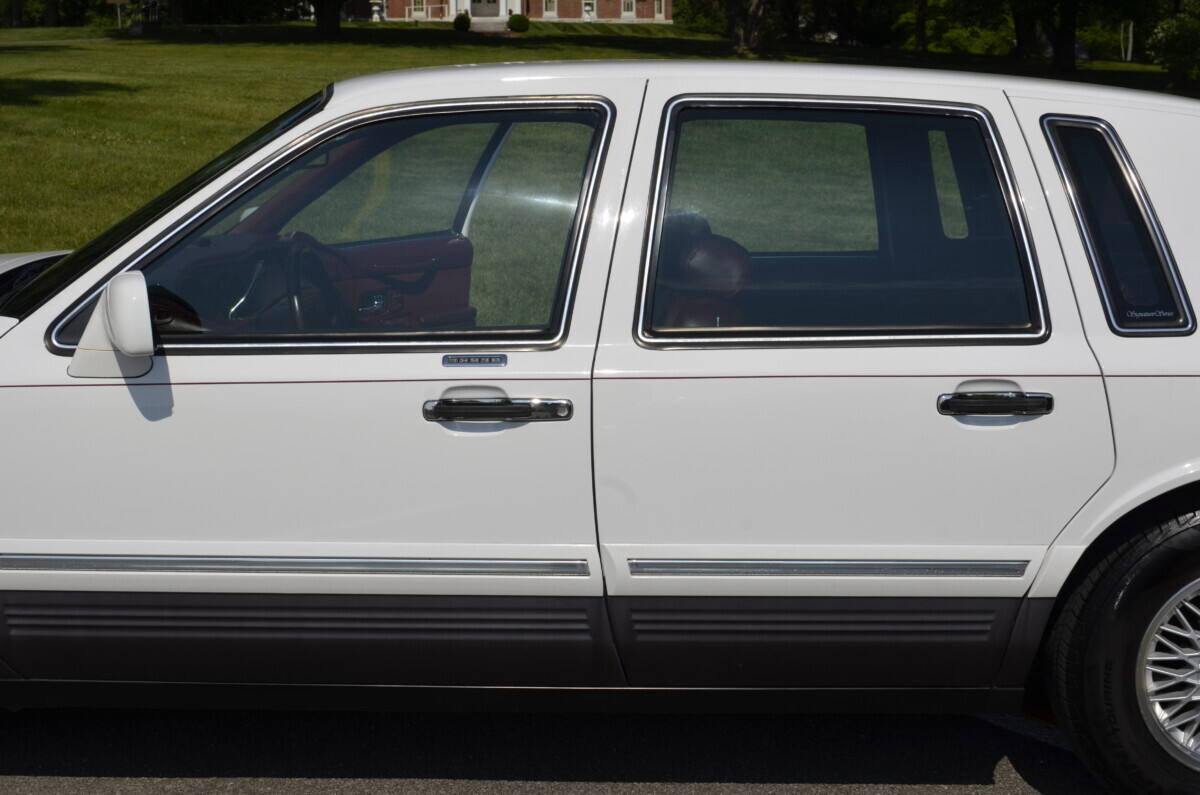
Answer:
(627, 7)
(658, 8)
(550, 7)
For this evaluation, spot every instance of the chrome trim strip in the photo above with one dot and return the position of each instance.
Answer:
(827, 568)
(1003, 172)
(282, 565)
(341, 125)
(1145, 209)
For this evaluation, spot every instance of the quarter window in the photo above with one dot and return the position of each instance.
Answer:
(1130, 259)
(450, 227)
(813, 221)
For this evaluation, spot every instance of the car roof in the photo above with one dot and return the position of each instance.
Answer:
(476, 80)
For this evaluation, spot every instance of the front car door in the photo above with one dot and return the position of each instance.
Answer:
(813, 462)
(332, 472)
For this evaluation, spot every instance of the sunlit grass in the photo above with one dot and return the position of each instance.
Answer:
(91, 128)
(93, 125)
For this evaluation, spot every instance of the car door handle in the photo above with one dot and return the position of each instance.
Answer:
(995, 403)
(497, 410)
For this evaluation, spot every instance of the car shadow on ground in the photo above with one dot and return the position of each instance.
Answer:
(942, 752)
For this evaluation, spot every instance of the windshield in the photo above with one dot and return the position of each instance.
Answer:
(35, 285)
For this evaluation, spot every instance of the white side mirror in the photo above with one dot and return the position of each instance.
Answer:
(119, 339)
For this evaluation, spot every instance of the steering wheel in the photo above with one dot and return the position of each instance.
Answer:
(306, 262)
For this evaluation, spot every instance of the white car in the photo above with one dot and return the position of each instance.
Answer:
(806, 387)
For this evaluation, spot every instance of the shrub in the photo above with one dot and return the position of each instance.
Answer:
(462, 23)
(518, 23)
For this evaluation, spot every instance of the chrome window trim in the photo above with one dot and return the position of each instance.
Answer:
(1000, 160)
(1145, 209)
(826, 568)
(328, 131)
(223, 564)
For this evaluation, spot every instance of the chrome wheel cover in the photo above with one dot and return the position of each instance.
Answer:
(1168, 676)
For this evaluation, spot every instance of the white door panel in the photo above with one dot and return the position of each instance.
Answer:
(796, 454)
(340, 468)
(289, 462)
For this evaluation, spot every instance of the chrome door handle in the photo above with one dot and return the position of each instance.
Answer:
(497, 410)
(995, 403)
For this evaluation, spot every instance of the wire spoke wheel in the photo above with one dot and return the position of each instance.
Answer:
(1169, 676)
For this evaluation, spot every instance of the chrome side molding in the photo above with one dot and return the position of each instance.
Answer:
(827, 568)
(297, 565)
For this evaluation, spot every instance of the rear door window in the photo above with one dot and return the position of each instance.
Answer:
(814, 221)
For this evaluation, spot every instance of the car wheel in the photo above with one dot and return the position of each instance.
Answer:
(1124, 662)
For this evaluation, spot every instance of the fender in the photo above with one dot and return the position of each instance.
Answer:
(1111, 504)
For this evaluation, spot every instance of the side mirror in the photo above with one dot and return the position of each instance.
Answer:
(119, 339)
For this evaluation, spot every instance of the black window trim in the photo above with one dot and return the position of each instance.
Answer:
(296, 149)
(644, 337)
(1145, 208)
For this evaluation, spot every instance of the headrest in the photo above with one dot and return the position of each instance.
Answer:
(715, 265)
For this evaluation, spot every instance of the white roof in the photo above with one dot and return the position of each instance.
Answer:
(475, 80)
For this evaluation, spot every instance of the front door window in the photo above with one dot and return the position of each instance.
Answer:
(452, 227)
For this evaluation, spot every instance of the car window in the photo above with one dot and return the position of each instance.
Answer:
(454, 226)
(1131, 261)
(808, 221)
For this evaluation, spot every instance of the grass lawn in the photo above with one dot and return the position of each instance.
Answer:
(93, 125)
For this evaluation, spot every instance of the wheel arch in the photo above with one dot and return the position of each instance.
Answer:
(1153, 510)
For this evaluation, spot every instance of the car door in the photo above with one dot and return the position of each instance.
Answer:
(362, 453)
(843, 401)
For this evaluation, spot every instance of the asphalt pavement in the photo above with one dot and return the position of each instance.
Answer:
(95, 752)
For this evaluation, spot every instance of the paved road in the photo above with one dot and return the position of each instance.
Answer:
(134, 752)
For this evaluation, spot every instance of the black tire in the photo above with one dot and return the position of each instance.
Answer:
(1094, 665)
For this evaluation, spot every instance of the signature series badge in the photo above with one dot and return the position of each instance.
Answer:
(476, 360)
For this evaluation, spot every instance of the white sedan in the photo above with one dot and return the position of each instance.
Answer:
(802, 387)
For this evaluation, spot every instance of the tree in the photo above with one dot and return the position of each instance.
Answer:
(922, 17)
(1175, 44)
(747, 20)
(328, 14)
(1061, 18)
(1024, 17)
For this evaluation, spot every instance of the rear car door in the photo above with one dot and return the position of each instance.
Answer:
(366, 433)
(843, 401)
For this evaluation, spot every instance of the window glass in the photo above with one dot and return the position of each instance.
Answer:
(1133, 271)
(458, 226)
(802, 221)
(949, 194)
(411, 187)
(722, 166)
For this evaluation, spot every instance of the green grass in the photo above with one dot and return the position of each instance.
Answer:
(91, 128)
(94, 124)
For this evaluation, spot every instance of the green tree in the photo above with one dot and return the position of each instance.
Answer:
(747, 21)
(1175, 43)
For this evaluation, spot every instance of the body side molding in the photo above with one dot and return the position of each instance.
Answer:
(827, 568)
(297, 565)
